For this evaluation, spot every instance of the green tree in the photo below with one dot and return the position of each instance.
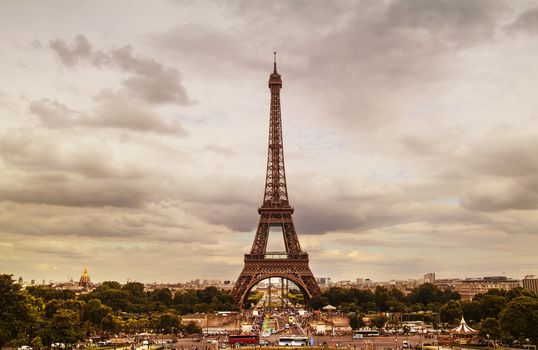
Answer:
(64, 327)
(135, 291)
(451, 312)
(48, 293)
(110, 323)
(490, 326)
(19, 312)
(94, 312)
(518, 292)
(472, 310)
(36, 343)
(111, 294)
(369, 306)
(490, 304)
(356, 320)
(519, 318)
(168, 323)
(162, 295)
(424, 294)
(317, 302)
(192, 328)
(382, 298)
(111, 285)
(379, 321)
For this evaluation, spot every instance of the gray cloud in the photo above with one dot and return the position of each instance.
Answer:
(526, 21)
(511, 155)
(150, 80)
(157, 222)
(65, 191)
(404, 121)
(70, 55)
(456, 21)
(54, 114)
(25, 149)
(53, 248)
(112, 112)
(45, 171)
(149, 84)
(501, 194)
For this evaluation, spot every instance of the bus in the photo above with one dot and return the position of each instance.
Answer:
(243, 339)
(365, 332)
(293, 341)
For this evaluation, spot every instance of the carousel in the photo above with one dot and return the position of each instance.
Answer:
(463, 332)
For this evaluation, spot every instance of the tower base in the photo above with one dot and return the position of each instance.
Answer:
(292, 268)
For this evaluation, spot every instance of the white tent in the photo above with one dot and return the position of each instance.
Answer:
(329, 308)
(463, 329)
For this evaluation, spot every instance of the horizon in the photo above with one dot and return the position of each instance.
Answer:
(202, 279)
(133, 137)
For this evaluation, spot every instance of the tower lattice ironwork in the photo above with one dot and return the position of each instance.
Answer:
(275, 211)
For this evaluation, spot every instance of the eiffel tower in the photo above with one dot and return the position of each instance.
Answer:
(275, 211)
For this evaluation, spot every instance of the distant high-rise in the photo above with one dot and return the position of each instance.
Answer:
(324, 281)
(530, 282)
(429, 277)
(85, 279)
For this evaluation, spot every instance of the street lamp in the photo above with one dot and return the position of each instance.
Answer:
(487, 335)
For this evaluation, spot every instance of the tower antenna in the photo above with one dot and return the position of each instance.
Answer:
(274, 55)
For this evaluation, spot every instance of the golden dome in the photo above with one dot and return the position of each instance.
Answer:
(85, 278)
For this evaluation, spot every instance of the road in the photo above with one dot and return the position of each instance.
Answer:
(370, 343)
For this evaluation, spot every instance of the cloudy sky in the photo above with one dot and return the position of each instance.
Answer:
(133, 136)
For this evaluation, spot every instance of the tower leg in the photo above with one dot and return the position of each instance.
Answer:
(269, 295)
(287, 294)
(282, 293)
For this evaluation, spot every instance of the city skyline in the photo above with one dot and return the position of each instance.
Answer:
(133, 137)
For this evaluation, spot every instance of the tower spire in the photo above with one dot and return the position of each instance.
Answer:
(276, 192)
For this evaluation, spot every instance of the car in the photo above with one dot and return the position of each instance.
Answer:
(197, 340)
(24, 347)
(263, 342)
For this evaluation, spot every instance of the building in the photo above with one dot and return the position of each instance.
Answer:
(343, 284)
(324, 281)
(530, 282)
(446, 283)
(429, 277)
(470, 287)
(85, 279)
